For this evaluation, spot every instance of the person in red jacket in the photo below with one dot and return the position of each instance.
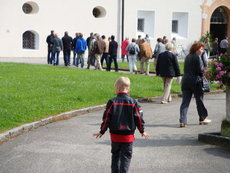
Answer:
(122, 115)
(124, 53)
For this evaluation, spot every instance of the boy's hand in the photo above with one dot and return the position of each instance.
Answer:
(145, 135)
(98, 135)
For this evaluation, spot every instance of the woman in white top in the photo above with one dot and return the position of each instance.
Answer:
(133, 50)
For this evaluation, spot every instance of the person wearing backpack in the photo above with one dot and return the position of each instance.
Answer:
(80, 50)
(145, 54)
(133, 50)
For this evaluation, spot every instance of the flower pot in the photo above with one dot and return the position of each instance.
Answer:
(225, 126)
(228, 103)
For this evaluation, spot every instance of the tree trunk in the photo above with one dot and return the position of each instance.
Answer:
(228, 103)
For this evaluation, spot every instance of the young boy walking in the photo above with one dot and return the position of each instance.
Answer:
(122, 115)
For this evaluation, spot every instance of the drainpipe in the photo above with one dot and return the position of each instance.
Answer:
(122, 19)
(119, 27)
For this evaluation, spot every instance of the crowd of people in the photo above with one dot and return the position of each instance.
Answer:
(99, 49)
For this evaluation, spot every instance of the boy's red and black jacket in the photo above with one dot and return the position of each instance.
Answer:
(122, 115)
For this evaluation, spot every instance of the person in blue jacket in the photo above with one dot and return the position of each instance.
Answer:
(80, 50)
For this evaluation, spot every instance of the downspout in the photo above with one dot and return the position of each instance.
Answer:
(119, 27)
(122, 19)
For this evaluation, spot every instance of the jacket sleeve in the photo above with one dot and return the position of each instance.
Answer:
(110, 49)
(198, 66)
(138, 118)
(204, 58)
(158, 66)
(137, 48)
(127, 48)
(106, 117)
(156, 49)
(47, 40)
(176, 65)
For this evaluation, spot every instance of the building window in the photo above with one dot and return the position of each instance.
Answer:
(30, 8)
(145, 23)
(99, 12)
(28, 40)
(179, 25)
(96, 12)
(219, 16)
(175, 26)
(27, 8)
(140, 25)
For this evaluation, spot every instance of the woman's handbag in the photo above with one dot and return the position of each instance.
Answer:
(203, 83)
(206, 85)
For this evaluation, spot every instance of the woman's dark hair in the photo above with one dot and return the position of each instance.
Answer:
(195, 47)
(159, 40)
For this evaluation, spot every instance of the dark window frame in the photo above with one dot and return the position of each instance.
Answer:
(141, 24)
(29, 40)
(27, 8)
(219, 16)
(175, 26)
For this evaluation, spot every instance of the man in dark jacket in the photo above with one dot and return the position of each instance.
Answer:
(113, 53)
(49, 41)
(74, 47)
(67, 46)
(57, 47)
(167, 67)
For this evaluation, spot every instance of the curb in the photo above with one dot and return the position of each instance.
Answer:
(214, 139)
(6, 136)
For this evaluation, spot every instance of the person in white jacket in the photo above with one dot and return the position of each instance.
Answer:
(133, 50)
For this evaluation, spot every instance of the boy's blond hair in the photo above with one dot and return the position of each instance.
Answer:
(122, 83)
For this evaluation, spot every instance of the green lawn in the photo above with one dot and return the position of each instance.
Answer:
(32, 92)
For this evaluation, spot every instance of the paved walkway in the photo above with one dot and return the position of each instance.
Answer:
(69, 147)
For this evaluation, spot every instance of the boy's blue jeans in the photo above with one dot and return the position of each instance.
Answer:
(121, 156)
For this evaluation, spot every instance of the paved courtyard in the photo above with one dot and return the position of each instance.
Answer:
(69, 147)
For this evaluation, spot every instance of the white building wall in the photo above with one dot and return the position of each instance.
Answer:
(59, 15)
(163, 18)
(76, 16)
